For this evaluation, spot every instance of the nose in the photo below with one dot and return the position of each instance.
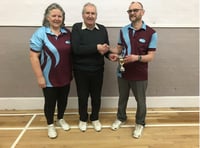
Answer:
(57, 17)
(90, 14)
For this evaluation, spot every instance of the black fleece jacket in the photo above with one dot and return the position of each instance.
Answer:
(84, 47)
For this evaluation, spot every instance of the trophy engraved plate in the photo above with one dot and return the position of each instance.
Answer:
(121, 63)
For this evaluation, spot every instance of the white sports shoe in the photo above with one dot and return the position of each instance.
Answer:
(82, 126)
(52, 131)
(117, 124)
(97, 125)
(65, 126)
(138, 131)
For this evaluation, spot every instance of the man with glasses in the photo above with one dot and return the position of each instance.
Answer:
(137, 45)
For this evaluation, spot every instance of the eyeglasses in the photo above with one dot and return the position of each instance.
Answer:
(133, 10)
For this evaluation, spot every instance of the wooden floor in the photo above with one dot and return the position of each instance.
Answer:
(165, 128)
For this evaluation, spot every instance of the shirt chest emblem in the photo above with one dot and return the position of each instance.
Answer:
(67, 42)
(141, 40)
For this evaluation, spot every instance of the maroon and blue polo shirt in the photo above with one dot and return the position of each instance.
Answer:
(138, 42)
(55, 55)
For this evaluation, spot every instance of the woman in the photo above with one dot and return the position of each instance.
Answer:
(50, 56)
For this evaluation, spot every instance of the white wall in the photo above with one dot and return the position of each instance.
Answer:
(112, 13)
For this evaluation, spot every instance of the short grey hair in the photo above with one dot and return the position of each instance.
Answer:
(138, 3)
(88, 4)
(48, 9)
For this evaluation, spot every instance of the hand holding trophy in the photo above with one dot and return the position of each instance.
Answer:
(121, 63)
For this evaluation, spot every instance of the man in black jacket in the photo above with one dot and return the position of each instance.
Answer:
(90, 45)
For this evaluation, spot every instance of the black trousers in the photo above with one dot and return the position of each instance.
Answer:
(52, 96)
(89, 84)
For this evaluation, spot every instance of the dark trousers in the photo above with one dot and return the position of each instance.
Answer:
(89, 84)
(139, 91)
(52, 96)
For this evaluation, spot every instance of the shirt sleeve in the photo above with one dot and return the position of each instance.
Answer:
(36, 41)
(153, 42)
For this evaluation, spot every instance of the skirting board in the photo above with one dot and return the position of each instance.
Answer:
(29, 103)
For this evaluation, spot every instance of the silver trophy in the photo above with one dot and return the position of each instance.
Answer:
(121, 63)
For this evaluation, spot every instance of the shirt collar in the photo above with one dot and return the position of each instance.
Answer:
(85, 27)
(143, 26)
(48, 30)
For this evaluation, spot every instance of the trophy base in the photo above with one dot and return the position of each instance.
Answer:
(122, 69)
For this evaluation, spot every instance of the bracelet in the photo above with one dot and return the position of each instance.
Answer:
(139, 58)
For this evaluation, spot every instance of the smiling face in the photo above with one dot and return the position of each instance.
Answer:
(135, 12)
(89, 16)
(55, 18)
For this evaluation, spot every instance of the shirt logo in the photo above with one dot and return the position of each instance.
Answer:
(142, 40)
(67, 42)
